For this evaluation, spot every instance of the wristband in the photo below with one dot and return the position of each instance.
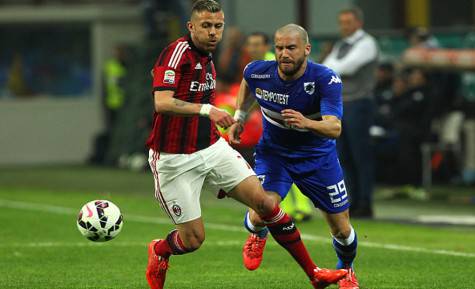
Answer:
(240, 116)
(205, 109)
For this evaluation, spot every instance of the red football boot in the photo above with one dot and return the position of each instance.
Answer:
(350, 281)
(156, 268)
(325, 277)
(252, 251)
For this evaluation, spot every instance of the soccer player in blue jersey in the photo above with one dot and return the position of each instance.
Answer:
(301, 105)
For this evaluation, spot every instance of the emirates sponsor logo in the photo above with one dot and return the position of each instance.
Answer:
(210, 84)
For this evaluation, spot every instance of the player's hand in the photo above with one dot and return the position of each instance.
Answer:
(294, 118)
(221, 117)
(234, 133)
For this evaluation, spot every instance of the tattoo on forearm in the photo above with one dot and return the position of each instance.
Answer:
(179, 102)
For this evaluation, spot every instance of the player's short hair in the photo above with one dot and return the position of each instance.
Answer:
(264, 36)
(294, 28)
(356, 11)
(205, 5)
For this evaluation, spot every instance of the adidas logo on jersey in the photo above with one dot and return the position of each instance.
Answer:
(198, 66)
(335, 79)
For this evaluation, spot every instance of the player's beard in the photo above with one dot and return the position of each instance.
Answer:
(206, 44)
(291, 71)
(211, 45)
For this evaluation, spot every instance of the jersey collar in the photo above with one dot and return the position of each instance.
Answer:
(194, 48)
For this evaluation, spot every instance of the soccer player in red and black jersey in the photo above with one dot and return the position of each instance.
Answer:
(187, 155)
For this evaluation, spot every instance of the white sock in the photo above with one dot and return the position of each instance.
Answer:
(347, 241)
(251, 226)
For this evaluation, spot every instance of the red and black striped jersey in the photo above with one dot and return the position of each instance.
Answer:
(189, 72)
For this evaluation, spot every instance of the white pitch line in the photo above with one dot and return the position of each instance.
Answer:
(229, 228)
(454, 220)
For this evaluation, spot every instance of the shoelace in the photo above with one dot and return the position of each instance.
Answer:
(162, 265)
(349, 280)
(253, 247)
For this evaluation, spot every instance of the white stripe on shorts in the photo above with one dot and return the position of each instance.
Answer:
(158, 193)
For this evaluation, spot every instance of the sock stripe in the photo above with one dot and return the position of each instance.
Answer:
(279, 216)
(178, 242)
(348, 241)
(175, 243)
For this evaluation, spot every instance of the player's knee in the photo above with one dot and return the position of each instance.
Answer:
(265, 205)
(342, 233)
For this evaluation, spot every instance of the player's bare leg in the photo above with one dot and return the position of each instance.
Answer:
(186, 238)
(253, 250)
(282, 228)
(345, 243)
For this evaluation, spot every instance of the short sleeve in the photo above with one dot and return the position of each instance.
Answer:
(165, 78)
(248, 70)
(331, 102)
(168, 68)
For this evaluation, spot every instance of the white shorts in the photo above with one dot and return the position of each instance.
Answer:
(180, 178)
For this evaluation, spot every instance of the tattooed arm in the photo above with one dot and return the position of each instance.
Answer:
(165, 103)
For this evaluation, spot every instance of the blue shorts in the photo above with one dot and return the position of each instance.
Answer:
(319, 178)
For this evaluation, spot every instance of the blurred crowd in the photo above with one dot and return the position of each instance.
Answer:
(60, 55)
(424, 121)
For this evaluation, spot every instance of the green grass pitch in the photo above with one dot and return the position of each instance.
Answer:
(40, 246)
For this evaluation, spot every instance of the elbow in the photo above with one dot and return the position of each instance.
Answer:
(336, 132)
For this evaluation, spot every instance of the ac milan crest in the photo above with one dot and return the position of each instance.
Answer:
(176, 210)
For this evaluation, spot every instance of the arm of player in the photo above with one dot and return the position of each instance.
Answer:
(329, 126)
(244, 103)
(165, 103)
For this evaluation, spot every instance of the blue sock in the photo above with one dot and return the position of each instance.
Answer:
(346, 250)
(259, 231)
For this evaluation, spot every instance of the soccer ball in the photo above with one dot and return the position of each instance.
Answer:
(100, 220)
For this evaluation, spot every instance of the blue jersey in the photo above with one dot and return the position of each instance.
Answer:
(317, 92)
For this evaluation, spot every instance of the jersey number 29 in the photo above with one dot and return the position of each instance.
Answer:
(337, 192)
